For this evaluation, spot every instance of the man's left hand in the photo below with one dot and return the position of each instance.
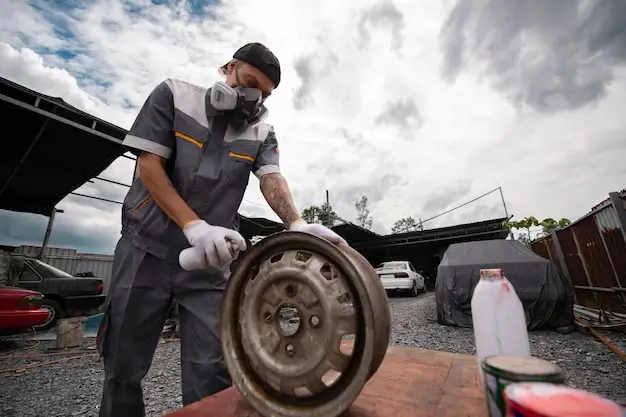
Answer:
(318, 230)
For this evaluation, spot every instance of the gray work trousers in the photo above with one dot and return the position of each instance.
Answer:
(140, 294)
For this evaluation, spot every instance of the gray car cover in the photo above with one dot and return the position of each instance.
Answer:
(547, 295)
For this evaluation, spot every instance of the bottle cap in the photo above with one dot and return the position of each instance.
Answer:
(491, 274)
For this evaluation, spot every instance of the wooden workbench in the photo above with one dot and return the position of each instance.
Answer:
(410, 382)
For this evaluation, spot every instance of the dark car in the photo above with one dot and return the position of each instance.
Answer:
(63, 293)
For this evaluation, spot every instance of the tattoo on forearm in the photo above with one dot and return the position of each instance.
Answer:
(276, 192)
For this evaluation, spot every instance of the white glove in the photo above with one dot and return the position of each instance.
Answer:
(318, 230)
(210, 242)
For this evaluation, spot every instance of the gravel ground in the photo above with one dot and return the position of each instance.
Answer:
(586, 362)
(73, 388)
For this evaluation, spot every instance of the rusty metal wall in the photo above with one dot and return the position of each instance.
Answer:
(609, 227)
(541, 248)
(594, 252)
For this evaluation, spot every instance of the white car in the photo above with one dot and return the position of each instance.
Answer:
(400, 276)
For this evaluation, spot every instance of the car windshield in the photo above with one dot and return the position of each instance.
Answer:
(393, 265)
(54, 271)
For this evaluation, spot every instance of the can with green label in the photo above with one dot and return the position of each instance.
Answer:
(500, 371)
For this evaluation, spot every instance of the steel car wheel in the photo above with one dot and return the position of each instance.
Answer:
(56, 312)
(288, 304)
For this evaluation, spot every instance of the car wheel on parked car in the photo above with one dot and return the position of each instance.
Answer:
(413, 292)
(56, 312)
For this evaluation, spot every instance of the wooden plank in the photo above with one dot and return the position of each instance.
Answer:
(410, 382)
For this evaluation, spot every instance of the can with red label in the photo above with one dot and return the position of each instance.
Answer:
(540, 399)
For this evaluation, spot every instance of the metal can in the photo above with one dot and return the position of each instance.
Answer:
(500, 371)
(540, 399)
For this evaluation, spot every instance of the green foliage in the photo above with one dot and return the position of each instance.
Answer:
(323, 214)
(363, 217)
(406, 224)
(547, 225)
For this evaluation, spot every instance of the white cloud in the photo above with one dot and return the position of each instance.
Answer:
(469, 138)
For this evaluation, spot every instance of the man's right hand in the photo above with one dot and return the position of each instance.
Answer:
(212, 241)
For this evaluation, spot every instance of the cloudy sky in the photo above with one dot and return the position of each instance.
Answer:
(420, 105)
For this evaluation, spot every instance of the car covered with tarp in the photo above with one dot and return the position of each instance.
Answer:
(546, 293)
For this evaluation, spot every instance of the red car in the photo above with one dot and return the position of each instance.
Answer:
(20, 310)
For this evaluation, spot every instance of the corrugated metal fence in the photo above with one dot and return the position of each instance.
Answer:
(72, 262)
(592, 252)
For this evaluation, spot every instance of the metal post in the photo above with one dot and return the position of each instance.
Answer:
(618, 206)
(559, 253)
(328, 209)
(506, 212)
(46, 238)
(608, 253)
(582, 261)
(545, 243)
(561, 257)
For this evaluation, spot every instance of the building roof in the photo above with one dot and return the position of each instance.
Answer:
(487, 229)
(258, 226)
(354, 233)
(357, 236)
(49, 149)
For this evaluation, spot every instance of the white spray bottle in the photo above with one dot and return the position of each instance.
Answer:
(498, 318)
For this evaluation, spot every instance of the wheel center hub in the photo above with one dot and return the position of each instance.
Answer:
(294, 322)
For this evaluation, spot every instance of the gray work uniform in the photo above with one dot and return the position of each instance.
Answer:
(209, 164)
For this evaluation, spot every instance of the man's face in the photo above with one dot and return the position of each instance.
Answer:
(250, 77)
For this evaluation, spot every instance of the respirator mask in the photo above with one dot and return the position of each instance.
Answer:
(241, 102)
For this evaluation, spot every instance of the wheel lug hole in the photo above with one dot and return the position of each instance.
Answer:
(290, 349)
(290, 290)
(267, 315)
(315, 321)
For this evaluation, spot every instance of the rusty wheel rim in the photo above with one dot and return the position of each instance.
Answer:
(303, 372)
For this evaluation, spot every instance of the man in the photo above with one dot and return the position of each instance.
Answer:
(196, 150)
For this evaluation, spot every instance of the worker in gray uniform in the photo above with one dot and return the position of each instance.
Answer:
(196, 150)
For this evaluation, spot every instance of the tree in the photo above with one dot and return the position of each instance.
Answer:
(550, 224)
(363, 217)
(309, 214)
(527, 223)
(327, 215)
(323, 214)
(406, 224)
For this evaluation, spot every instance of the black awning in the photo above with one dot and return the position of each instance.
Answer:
(353, 233)
(49, 149)
(258, 226)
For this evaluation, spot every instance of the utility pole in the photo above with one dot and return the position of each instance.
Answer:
(328, 209)
(48, 232)
(506, 213)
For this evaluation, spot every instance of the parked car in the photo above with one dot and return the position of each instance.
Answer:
(64, 294)
(20, 310)
(400, 276)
